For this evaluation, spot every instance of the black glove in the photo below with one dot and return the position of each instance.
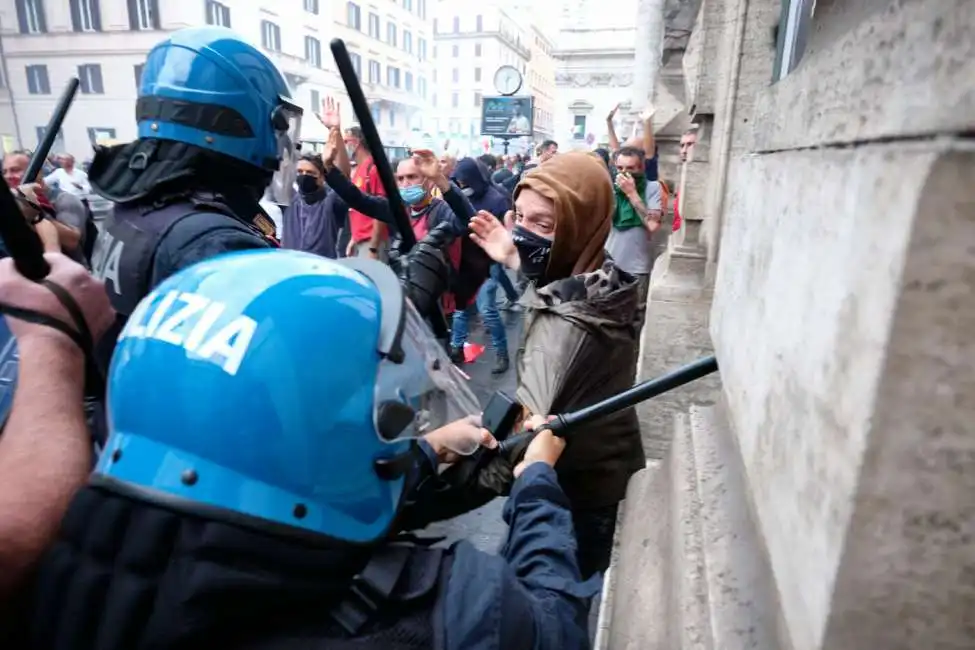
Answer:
(424, 275)
(424, 271)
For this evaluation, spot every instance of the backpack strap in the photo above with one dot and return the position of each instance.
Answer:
(380, 582)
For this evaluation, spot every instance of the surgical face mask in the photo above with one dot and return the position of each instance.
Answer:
(412, 194)
(468, 192)
(534, 252)
(307, 184)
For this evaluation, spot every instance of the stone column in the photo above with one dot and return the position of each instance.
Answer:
(648, 50)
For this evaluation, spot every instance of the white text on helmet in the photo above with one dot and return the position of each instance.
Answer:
(188, 320)
(105, 260)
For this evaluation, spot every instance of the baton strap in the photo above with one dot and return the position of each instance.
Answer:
(80, 334)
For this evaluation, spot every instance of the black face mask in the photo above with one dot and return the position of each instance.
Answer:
(534, 252)
(307, 184)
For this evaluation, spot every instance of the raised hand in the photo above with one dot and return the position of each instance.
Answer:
(428, 164)
(612, 113)
(331, 116)
(488, 233)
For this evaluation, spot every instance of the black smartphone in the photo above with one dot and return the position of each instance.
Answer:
(500, 415)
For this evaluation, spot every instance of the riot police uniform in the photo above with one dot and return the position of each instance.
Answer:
(254, 503)
(212, 135)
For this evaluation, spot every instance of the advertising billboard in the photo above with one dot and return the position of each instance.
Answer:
(507, 117)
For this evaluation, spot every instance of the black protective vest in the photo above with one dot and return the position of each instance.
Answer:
(127, 575)
(125, 253)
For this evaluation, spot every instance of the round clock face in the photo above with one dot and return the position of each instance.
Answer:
(507, 80)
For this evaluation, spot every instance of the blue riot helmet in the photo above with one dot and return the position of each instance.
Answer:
(278, 389)
(207, 87)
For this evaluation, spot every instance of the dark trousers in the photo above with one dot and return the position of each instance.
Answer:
(594, 534)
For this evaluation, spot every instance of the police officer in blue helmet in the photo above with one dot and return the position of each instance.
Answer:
(271, 414)
(215, 124)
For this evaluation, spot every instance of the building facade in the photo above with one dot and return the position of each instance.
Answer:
(390, 42)
(473, 39)
(105, 43)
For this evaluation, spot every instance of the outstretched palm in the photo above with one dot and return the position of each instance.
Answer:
(488, 233)
(331, 117)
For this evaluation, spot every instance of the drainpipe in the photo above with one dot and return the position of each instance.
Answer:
(724, 155)
(10, 91)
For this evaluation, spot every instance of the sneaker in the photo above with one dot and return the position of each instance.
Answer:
(500, 365)
(457, 356)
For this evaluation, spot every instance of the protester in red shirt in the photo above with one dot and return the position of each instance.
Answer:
(370, 237)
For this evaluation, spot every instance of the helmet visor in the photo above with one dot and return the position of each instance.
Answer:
(432, 390)
(287, 131)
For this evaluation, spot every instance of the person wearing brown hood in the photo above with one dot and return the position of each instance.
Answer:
(581, 333)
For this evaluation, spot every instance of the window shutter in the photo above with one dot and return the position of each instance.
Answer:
(96, 79)
(41, 16)
(96, 15)
(75, 16)
(133, 14)
(155, 13)
(22, 16)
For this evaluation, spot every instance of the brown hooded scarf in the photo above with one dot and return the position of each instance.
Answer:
(576, 182)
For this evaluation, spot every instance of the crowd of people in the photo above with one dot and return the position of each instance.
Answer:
(273, 424)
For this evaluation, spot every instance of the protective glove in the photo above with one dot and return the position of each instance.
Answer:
(424, 272)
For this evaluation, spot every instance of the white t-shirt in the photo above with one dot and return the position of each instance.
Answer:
(73, 182)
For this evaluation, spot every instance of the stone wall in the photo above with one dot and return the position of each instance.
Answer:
(833, 259)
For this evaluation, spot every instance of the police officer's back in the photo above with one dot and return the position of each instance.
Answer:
(214, 124)
(253, 503)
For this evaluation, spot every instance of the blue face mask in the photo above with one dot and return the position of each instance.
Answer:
(412, 194)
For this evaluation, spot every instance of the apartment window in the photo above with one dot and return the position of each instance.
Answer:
(455, 51)
(392, 118)
(434, 51)
(143, 14)
(375, 113)
(391, 34)
(353, 16)
(433, 100)
(421, 8)
(579, 127)
(408, 82)
(30, 16)
(138, 75)
(392, 77)
(477, 74)
(408, 5)
(408, 41)
(479, 21)
(313, 51)
(316, 100)
(218, 14)
(271, 36)
(374, 25)
(456, 24)
(434, 75)
(356, 63)
(58, 141)
(421, 86)
(454, 100)
(455, 75)
(421, 49)
(98, 133)
(477, 49)
(311, 6)
(435, 26)
(793, 32)
(374, 72)
(85, 16)
(477, 99)
(37, 81)
(90, 76)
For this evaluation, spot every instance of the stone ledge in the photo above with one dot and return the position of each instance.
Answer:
(691, 571)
